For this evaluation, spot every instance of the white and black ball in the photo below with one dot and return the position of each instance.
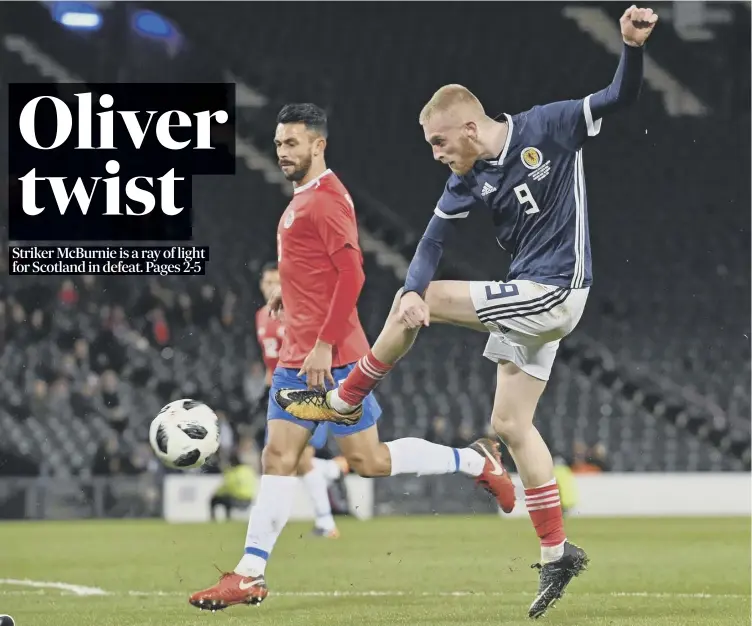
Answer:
(184, 434)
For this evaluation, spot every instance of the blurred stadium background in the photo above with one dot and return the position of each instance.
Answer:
(655, 379)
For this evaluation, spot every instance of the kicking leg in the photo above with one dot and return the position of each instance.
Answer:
(517, 395)
(369, 457)
(449, 301)
(271, 510)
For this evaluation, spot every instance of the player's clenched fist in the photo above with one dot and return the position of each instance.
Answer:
(413, 311)
(637, 24)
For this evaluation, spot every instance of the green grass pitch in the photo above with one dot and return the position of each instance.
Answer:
(443, 570)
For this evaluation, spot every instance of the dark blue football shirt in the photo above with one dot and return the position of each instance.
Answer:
(535, 191)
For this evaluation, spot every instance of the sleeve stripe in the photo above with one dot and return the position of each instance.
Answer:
(593, 127)
(447, 216)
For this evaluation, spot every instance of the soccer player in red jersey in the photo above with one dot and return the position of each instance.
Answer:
(315, 473)
(321, 274)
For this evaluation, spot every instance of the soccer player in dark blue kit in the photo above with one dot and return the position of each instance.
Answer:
(527, 170)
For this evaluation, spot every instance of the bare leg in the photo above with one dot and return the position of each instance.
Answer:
(449, 302)
(517, 396)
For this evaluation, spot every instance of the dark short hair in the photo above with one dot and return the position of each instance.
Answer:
(271, 266)
(314, 117)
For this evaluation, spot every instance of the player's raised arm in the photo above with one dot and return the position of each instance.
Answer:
(573, 121)
(636, 26)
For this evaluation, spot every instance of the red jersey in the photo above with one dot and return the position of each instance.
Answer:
(269, 332)
(318, 222)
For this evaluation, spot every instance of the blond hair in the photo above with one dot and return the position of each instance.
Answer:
(448, 97)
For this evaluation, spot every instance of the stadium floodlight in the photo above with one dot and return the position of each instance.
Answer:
(76, 15)
(151, 24)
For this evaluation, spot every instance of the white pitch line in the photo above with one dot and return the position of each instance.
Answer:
(78, 590)
(81, 590)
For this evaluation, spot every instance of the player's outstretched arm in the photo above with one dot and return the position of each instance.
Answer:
(413, 311)
(427, 255)
(571, 122)
(636, 26)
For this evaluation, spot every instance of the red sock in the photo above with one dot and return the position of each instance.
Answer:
(544, 506)
(366, 374)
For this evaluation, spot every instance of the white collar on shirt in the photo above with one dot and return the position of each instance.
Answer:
(316, 181)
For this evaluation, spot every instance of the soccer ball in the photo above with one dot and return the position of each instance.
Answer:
(184, 434)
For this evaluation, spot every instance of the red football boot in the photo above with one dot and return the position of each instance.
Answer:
(231, 589)
(494, 478)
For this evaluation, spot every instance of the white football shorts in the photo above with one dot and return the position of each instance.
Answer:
(527, 320)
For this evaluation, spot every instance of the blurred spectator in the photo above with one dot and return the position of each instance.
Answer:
(39, 327)
(465, 435)
(237, 490)
(81, 355)
(587, 460)
(67, 295)
(160, 332)
(17, 329)
(40, 402)
(68, 366)
(438, 431)
(111, 458)
(110, 402)
(254, 383)
(184, 313)
(59, 394)
(118, 320)
(142, 458)
(107, 352)
(206, 307)
(82, 399)
(598, 457)
(90, 294)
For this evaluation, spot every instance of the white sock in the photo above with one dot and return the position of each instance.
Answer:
(269, 514)
(421, 457)
(549, 554)
(338, 404)
(329, 468)
(471, 462)
(315, 483)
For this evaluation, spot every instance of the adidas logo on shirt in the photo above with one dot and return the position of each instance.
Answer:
(487, 188)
